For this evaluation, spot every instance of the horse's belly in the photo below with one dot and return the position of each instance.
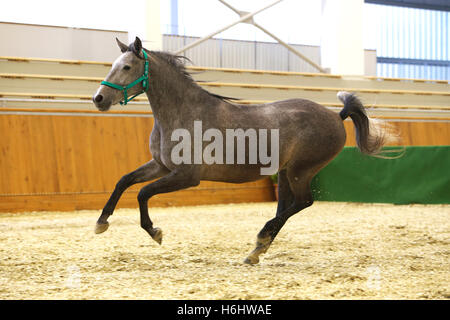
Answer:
(232, 173)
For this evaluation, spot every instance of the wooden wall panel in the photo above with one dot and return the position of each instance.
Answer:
(73, 162)
(70, 154)
(205, 193)
(412, 133)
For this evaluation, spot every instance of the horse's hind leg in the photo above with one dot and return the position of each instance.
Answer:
(149, 171)
(295, 196)
(285, 195)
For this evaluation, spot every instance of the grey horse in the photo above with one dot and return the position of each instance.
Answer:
(310, 136)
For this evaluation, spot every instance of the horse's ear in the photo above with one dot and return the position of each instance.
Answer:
(137, 46)
(123, 47)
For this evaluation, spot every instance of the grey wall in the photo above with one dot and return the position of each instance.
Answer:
(37, 41)
(222, 53)
(244, 54)
(370, 62)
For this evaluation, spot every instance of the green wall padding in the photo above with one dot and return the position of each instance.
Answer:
(422, 175)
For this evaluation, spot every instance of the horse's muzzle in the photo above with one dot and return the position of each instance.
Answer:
(100, 102)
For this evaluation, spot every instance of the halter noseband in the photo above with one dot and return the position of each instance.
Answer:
(143, 79)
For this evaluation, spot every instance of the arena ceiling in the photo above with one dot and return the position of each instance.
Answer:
(443, 5)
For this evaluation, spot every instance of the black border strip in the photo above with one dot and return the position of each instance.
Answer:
(421, 62)
(429, 5)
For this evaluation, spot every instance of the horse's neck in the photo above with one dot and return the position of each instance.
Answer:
(173, 100)
(163, 92)
(165, 106)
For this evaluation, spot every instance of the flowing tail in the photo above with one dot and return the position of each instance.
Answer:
(371, 134)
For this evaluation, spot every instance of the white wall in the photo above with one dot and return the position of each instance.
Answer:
(24, 40)
(342, 45)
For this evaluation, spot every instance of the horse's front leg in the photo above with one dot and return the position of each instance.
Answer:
(149, 171)
(179, 179)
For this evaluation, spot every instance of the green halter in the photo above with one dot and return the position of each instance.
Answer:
(143, 79)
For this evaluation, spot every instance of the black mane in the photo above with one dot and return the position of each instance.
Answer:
(177, 62)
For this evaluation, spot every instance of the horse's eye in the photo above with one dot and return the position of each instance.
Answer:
(127, 68)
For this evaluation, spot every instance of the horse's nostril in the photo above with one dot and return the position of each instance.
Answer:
(98, 98)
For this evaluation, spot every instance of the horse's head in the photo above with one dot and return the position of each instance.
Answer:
(127, 77)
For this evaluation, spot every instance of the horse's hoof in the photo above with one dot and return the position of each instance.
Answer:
(101, 227)
(157, 235)
(251, 260)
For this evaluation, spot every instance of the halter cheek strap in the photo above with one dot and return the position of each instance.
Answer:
(143, 79)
